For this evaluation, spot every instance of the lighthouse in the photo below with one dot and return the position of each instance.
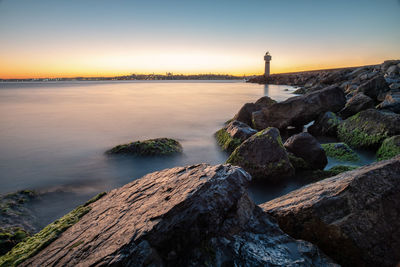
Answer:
(267, 59)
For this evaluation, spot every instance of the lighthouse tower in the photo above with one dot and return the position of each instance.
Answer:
(267, 59)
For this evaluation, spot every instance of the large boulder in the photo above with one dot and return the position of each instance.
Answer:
(263, 156)
(186, 216)
(325, 125)
(353, 217)
(305, 146)
(356, 104)
(233, 134)
(300, 110)
(374, 87)
(245, 113)
(369, 128)
(151, 147)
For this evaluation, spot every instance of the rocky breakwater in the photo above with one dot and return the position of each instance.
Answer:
(353, 217)
(185, 216)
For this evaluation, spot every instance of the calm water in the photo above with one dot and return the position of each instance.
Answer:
(53, 135)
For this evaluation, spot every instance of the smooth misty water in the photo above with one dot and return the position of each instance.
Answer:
(53, 135)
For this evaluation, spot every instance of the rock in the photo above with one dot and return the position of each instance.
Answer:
(9, 237)
(151, 147)
(245, 113)
(353, 217)
(391, 102)
(300, 110)
(386, 64)
(233, 134)
(325, 125)
(263, 156)
(340, 151)
(374, 87)
(356, 104)
(298, 163)
(305, 146)
(300, 91)
(392, 70)
(369, 128)
(394, 86)
(185, 216)
(389, 148)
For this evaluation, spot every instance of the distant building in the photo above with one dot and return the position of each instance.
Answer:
(267, 59)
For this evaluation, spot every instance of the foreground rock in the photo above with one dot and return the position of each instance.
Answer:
(152, 147)
(353, 217)
(233, 134)
(325, 125)
(356, 104)
(391, 102)
(263, 156)
(369, 128)
(300, 110)
(305, 146)
(374, 87)
(186, 216)
(245, 113)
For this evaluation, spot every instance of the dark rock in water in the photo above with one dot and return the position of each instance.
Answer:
(245, 113)
(356, 104)
(340, 151)
(391, 102)
(369, 128)
(325, 125)
(374, 87)
(151, 147)
(14, 212)
(353, 217)
(263, 156)
(305, 146)
(186, 216)
(389, 148)
(233, 134)
(300, 91)
(300, 110)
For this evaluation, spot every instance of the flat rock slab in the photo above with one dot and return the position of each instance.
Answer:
(185, 216)
(353, 217)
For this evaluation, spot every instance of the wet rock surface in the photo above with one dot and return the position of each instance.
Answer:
(245, 113)
(305, 146)
(300, 110)
(263, 156)
(353, 217)
(185, 216)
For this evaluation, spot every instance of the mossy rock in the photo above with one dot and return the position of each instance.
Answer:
(225, 140)
(151, 147)
(389, 148)
(298, 163)
(9, 237)
(369, 128)
(340, 151)
(32, 245)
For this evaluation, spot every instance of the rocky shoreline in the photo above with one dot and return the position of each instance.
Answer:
(203, 215)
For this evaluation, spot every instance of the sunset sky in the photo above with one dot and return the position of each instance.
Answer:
(47, 38)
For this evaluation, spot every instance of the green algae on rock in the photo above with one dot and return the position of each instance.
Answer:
(316, 175)
(389, 148)
(369, 128)
(9, 237)
(233, 134)
(263, 156)
(151, 147)
(32, 245)
(225, 141)
(340, 151)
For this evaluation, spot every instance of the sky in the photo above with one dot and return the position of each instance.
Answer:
(67, 38)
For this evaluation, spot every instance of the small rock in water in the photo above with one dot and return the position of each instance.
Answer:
(151, 147)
